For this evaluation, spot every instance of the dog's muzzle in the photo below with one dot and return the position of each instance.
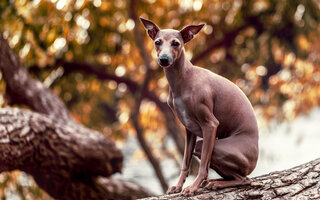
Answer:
(164, 60)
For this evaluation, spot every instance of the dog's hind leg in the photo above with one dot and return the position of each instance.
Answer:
(232, 160)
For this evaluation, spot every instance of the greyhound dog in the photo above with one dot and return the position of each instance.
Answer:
(210, 107)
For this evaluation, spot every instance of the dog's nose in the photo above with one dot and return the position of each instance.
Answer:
(164, 60)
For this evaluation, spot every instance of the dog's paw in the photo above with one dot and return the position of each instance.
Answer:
(189, 191)
(174, 189)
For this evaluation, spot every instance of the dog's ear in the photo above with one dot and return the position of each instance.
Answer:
(150, 27)
(188, 32)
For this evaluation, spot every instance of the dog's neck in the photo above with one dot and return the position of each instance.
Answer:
(177, 73)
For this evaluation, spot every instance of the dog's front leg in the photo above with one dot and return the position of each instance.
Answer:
(209, 129)
(188, 150)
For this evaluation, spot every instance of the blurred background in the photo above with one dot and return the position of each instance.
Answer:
(97, 57)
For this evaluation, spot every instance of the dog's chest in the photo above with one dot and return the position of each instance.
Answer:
(181, 106)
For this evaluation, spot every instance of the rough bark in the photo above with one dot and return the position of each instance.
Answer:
(30, 139)
(64, 157)
(301, 182)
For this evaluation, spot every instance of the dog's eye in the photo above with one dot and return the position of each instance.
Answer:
(175, 43)
(157, 43)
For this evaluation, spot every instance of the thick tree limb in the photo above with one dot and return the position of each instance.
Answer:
(64, 157)
(301, 182)
(29, 141)
(60, 160)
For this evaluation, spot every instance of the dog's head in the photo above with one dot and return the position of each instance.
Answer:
(169, 43)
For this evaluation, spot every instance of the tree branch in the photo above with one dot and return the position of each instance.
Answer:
(249, 20)
(301, 182)
(226, 41)
(23, 89)
(139, 97)
(24, 132)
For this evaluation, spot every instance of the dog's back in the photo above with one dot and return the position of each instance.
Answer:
(232, 108)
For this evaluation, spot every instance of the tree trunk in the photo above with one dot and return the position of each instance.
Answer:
(301, 182)
(64, 157)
